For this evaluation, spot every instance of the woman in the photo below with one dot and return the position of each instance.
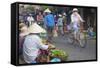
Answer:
(23, 32)
(60, 24)
(33, 44)
(64, 22)
(40, 19)
(30, 20)
(76, 20)
(50, 23)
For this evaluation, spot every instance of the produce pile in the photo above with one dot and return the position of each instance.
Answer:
(54, 53)
(57, 53)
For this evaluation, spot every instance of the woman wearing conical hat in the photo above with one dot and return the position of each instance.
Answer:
(33, 43)
(49, 23)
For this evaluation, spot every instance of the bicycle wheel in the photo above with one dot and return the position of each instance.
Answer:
(82, 40)
(70, 39)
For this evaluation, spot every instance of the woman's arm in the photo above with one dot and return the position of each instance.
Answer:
(40, 44)
(80, 18)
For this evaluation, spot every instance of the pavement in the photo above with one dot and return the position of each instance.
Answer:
(74, 51)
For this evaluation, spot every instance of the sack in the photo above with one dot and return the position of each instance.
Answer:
(55, 34)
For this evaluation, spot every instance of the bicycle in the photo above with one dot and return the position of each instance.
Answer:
(81, 35)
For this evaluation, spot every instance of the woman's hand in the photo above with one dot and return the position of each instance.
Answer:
(51, 46)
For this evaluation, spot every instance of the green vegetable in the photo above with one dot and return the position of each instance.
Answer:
(59, 54)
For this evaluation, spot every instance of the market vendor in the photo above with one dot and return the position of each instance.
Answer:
(32, 44)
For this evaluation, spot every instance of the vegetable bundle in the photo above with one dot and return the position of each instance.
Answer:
(59, 54)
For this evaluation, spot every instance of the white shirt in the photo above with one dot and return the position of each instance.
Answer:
(31, 47)
(30, 19)
(60, 22)
(76, 19)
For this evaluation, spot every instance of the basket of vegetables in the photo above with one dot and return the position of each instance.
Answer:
(57, 53)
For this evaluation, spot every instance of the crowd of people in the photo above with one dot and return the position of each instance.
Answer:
(30, 43)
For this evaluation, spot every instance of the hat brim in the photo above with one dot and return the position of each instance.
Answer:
(75, 11)
(24, 34)
(35, 28)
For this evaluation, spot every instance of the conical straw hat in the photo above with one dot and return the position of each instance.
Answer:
(47, 10)
(35, 28)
